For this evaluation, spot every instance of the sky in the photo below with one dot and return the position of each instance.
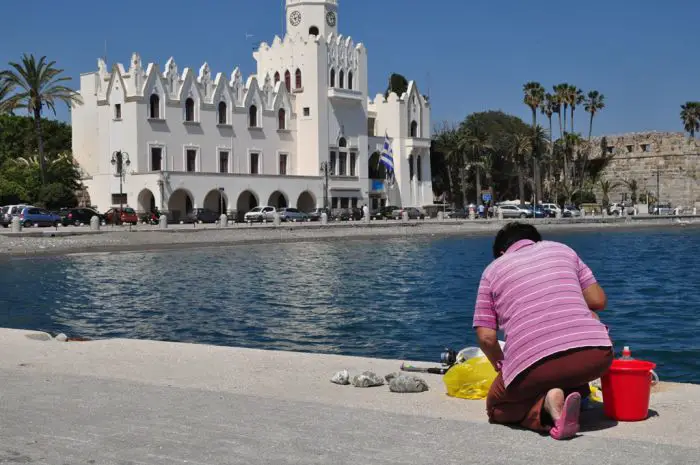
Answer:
(468, 55)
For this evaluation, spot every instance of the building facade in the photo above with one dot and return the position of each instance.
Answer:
(665, 165)
(198, 140)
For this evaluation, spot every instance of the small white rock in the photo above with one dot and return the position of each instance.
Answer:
(342, 378)
(61, 338)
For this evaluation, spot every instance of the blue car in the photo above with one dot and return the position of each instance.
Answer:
(33, 216)
(538, 211)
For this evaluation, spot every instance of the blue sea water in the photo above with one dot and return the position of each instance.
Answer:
(388, 298)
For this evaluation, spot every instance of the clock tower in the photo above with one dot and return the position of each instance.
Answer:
(314, 17)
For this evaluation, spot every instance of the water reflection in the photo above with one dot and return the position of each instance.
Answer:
(394, 298)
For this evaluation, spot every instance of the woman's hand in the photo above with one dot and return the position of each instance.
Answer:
(488, 342)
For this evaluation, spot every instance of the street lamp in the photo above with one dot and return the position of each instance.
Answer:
(120, 160)
(325, 170)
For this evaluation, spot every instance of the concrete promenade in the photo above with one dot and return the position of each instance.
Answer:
(142, 402)
(50, 241)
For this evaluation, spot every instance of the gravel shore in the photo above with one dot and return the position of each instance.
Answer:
(67, 240)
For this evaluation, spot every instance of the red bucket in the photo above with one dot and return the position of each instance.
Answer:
(627, 390)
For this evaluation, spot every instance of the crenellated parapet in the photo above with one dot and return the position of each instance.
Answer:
(139, 83)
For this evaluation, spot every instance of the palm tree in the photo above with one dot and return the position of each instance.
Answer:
(520, 146)
(6, 89)
(548, 107)
(534, 94)
(39, 84)
(447, 142)
(606, 187)
(575, 96)
(690, 116)
(561, 95)
(595, 101)
(540, 147)
(477, 143)
(633, 186)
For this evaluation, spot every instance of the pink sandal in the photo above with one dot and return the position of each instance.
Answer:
(567, 426)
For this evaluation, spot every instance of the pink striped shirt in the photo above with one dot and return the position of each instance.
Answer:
(534, 294)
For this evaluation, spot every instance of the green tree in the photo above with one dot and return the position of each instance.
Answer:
(575, 98)
(690, 117)
(397, 84)
(561, 96)
(521, 149)
(533, 96)
(595, 102)
(475, 142)
(6, 88)
(446, 145)
(606, 187)
(39, 84)
(633, 186)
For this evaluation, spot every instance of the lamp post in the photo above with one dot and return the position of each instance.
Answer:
(120, 160)
(325, 168)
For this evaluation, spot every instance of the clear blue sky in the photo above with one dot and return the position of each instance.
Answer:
(470, 55)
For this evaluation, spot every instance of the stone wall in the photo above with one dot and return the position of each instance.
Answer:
(673, 158)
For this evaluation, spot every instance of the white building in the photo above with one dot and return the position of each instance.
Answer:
(195, 139)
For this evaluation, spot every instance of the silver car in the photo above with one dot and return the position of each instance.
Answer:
(260, 214)
(292, 214)
(515, 211)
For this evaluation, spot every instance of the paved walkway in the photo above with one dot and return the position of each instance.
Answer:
(141, 402)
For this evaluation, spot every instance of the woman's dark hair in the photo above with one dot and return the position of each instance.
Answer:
(512, 233)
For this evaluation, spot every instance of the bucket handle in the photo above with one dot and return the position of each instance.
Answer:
(654, 378)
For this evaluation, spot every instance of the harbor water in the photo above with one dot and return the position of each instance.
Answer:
(388, 298)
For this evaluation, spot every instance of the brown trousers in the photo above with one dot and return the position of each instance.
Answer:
(522, 402)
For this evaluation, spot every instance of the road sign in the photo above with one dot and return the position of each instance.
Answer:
(486, 196)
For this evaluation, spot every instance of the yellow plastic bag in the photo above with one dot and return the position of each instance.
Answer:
(470, 379)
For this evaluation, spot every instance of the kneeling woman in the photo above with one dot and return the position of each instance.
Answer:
(544, 298)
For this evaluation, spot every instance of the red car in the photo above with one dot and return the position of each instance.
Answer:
(123, 216)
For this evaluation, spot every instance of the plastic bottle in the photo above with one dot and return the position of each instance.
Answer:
(626, 354)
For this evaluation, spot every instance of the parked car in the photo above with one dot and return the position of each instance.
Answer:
(570, 211)
(551, 207)
(414, 213)
(33, 216)
(549, 212)
(260, 214)
(315, 214)
(78, 216)
(384, 213)
(124, 216)
(201, 215)
(515, 211)
(662, 209)
(9, 212)
(459, 213)
(292, 214)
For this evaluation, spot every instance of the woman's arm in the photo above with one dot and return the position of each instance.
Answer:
(595, 297)
(488, 342)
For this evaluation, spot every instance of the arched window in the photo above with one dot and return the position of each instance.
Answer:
(189, 109)
(253, 116)
(350, 80)
(297, 76)
(154, 106)
(332, 77)
(342, 142)
(414, 129)
(288, 80)
(410, 168)
(419, 168)
(223, 116)
(341, 79)
(313, 31)
(281, 119)
(277, 77)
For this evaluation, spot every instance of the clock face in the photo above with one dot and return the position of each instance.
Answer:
(295, 18)
(330, 18)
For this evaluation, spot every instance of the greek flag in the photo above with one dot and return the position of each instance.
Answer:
(386, 157)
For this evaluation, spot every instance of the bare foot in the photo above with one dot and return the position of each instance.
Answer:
(554, 403)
